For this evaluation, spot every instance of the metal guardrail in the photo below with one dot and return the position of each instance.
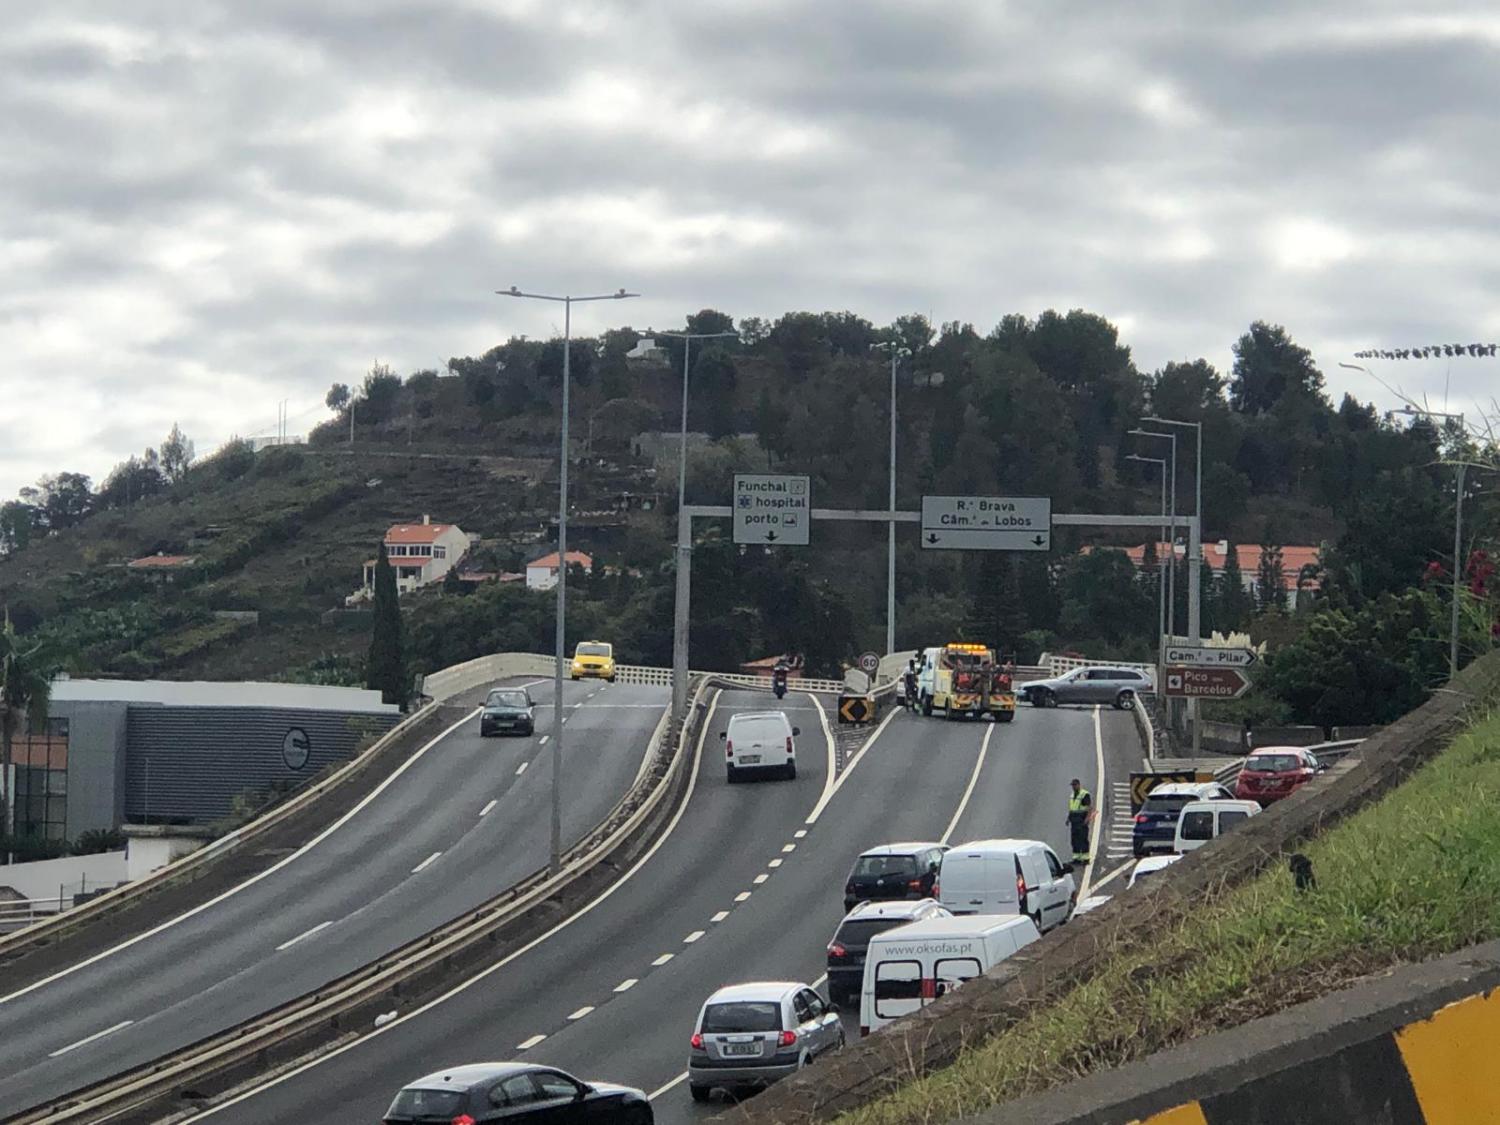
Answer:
(18, 913)
(145, 1085)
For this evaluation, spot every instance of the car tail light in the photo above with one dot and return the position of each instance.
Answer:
(696, 1042)
(937, 888)
(728, 749)
(464, 1119)
(1021, 891)
(789, 744)
(837, 951)
(788, 1038)
(1141, 818)
(914, 885)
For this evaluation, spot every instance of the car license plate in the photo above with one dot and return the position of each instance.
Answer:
(741, 1049)
(749, 759)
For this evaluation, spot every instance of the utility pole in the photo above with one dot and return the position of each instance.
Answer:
(897, 351)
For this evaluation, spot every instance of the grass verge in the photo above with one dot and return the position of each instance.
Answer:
(1414, 876)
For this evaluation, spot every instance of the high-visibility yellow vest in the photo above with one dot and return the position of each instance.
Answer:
(1076, 802)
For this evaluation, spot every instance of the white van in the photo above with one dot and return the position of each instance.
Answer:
(760, 741)
(1201, 821)
(912, 965)
(1007, 877)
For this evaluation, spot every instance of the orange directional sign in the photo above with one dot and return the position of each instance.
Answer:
(1206, 683)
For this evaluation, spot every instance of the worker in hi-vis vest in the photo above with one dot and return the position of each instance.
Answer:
(1080, 809)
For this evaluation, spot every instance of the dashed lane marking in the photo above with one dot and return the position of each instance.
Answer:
(530, 1043)
(522, 768)
(86, 1040)
(694, 936)
(788, 848)
(486, 810)
(627, 984)
(423, 865)
(742, 896)
(672, 1085)
(583, 1011)
(801, 832)
(761, 878)
(303, 935)
(662, 960)
(774, 863)
(543, 742)
(720, 916)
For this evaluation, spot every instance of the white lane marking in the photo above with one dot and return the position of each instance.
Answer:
(672, 1085)
(800, 833)
(1115, 874)
(742, 896)
(535, 683)
(530, 1043)
(543, 742)
(1083, 889)
(250, 882)
(720, 916)
(301, 936)
(486, 810)
(788, 848)
(583, 1011)
(627, 984)
(761, 878)
(566, 718)
(521, 768)
(90, 1038)
(692, 937)
(422, 866)
(775, 863)
(830, 790)
(662, 960)
(963, 802)
(464, 986)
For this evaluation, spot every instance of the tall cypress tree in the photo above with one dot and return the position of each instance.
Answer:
(1270, 577)
(385, 670)
(1235, 605)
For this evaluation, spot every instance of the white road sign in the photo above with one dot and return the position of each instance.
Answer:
(987, 523)
(1200, 656)
(869, 663)
(771, 509)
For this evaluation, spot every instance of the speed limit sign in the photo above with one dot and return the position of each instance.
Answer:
(869, 663)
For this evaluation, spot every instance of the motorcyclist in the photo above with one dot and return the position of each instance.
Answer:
(778, 678)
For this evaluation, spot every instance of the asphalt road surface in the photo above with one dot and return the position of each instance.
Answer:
(466, 819)
(746, 885)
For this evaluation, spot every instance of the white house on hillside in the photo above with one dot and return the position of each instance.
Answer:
(542, 574)
(420, 553)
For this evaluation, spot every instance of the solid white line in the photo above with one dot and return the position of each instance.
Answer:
(963, 802)
(522, 768)
(761, 878)
(720, 916)
(250, 882)
(464, 986)
(627, 984)
(583, 1011)
(830, 789)
(742, 896)
(425, 862)
(775, 863)
(694, 936)
(486, 810)
(299, 937)
(662, 960)
(530, 1043)
(1116, 873)
(89, 1039)
(672, 1085)
(1083, 889)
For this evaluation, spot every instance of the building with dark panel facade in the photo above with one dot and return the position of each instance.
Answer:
(155, 751)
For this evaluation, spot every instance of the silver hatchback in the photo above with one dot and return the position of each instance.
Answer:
(756, 1034)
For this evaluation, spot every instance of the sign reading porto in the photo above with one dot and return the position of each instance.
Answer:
(987, 523)
(771, 509)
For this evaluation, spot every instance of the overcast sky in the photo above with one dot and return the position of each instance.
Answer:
(207, 207)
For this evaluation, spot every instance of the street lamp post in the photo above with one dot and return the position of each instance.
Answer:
(1161, 576)
(1195, 560)
(567, 301)
(897, 351)
(684, 545)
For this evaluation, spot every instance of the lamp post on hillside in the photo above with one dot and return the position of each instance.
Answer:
(567, 303)
(680, 627)
(1195, 560)
(897, 352)
(1161, 577)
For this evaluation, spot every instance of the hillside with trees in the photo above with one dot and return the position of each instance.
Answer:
(1034, 406)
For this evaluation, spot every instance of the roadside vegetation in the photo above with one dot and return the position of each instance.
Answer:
(1415, 876)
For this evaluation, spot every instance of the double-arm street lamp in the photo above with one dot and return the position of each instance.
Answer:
(679, 647)
(567, 302)
(897, 352)
(1161, 573)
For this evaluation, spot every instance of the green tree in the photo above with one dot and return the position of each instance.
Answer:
(1235, 605)
(1270, 577)
(337, 397)
(1102, 599)
(17, 519)
(26, 672)
(64, 500)
(176, 454)
(1268, 368)
(386, 670)
(1226, 497)
(378, 396)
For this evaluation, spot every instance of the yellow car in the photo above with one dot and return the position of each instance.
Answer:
(595, 659)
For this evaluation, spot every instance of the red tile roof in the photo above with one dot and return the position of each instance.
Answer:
(162, 562)
(415, 532)
(549, 562)
(1293, 558)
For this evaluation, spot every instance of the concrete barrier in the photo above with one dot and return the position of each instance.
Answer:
(1415, 1046)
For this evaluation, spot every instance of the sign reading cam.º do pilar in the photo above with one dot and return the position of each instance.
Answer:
(771, 509)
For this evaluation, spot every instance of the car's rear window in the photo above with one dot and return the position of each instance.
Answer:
(1273, 763)
(427, 1105)
(507, 699)
(875, 865)
(1197, 825)
(742, 1016)
(857, 934)
(757, 728)
(593, 650)
(1171, 804)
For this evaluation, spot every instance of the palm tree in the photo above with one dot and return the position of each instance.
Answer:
(25, 689)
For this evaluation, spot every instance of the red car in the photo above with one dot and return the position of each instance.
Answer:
(1276, 772)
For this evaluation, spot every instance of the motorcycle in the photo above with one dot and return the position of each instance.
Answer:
(778, 685)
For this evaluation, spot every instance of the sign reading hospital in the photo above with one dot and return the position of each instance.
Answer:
(771, 509)
(987, 523)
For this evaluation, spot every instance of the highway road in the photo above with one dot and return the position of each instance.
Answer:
(467, 818)
(746, 885)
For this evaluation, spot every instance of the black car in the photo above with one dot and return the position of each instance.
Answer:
(479, 1092)
(846, 952)
(507, 710)
(894, 871)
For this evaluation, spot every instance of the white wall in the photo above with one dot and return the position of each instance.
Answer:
(42, 878)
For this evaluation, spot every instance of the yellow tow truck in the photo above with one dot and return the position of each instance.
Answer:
(965, 679)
